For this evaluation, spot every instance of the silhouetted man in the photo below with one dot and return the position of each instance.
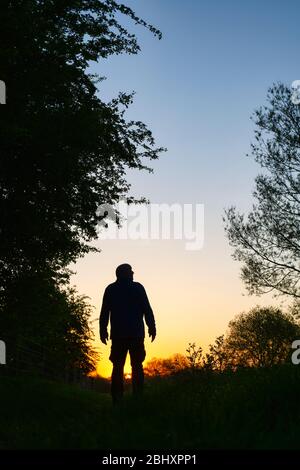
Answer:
(125, 303)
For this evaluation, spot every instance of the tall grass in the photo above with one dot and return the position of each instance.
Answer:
(249, 409)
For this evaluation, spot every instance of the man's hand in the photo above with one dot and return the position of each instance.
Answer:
(152, 334)
(104, 337)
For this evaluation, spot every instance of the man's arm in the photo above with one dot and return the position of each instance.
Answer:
(149, 317)
(104, 317)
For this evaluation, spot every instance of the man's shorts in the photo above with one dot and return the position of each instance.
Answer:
(121, 346)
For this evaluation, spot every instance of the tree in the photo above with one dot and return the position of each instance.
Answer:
(260, 338)
(64, 151)
(167, 366)
(194, 355)
(267, 241)
(46, 327)
(218, 357)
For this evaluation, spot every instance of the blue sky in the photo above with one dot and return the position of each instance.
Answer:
(198, 86)
(196, 90)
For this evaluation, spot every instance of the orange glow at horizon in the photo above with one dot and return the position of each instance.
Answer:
(193, 294)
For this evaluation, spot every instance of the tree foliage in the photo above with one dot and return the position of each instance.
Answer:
(261, 338)
(218, 357)
(167, 366)
(194, 355)
(64, 151)
(49, 321)
(266, 242)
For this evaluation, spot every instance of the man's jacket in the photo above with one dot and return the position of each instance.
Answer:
(125, 303)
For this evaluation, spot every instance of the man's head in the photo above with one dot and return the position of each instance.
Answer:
(124, 271)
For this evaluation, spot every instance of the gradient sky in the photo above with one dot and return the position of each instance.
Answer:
(196, 90)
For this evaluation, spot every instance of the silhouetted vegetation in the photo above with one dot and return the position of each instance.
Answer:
(194, 356)
(261, 337)
(160, 367)
(64, 152)
(243, 394)
(267, 240)
(254, 408)
(52, 321)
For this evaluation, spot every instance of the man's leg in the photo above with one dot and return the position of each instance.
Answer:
(117, 357)
(137, 355)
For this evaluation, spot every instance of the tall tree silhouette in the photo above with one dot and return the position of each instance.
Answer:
(63, 150)
(267, 240)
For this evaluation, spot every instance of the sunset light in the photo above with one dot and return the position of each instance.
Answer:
(149, 232)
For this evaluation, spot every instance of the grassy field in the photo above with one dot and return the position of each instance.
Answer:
(251, 409)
